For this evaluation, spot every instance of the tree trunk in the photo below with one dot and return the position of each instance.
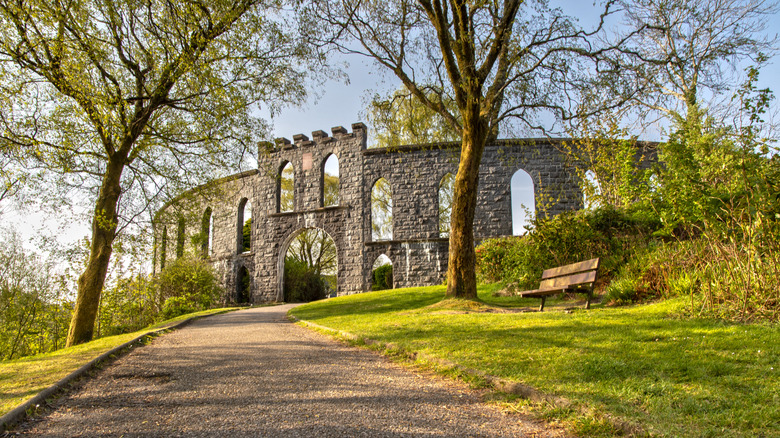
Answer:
(90, 284)
(461, 275)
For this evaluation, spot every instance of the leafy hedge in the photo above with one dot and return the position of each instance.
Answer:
(569, 237)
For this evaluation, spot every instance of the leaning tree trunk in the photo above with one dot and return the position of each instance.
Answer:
(90, 284)
(461, 275)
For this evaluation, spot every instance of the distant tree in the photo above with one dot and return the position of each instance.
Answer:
(681, 48)
(382, 210)
(130, 100)
(402, 119)
(314, 248)
(330, 196)
(246, 233)
(287, 189)
(446, 187)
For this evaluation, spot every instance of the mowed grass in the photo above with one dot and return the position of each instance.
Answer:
(643, 370)
(21, 379)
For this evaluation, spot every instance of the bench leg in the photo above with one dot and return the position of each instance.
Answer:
(590, 297)
(541, 307)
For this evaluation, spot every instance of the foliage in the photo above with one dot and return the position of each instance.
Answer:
(681, 49)
(330, 190)
(613, 169)
(569, 237)
(381, 210)
(246, 233)
(302, 283)
(131, 304)
(111, 98)
(316, 249)
(188, 284)
(287, 189)
(635, 371)
(400, 119)
(446, 187)
(383, 277)
(33, 314)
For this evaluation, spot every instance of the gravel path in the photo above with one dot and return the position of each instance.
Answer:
(252, 373)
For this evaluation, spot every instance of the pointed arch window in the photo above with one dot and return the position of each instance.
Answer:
(446, 190)
(330, 181)
(287, 188)
(206, 233)
(244, 226)
(180, 238)
(523, 201)
(381, 211)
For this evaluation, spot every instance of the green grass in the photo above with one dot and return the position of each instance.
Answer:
(644, 368)
(21, 379)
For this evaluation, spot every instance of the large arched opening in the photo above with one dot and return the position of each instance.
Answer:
(523, 201)
(308, 266)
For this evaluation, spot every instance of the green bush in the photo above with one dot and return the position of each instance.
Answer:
(569, 237)
(302, 283)
(190, 280)
(176, 306)
(129, 305)
(383, 278)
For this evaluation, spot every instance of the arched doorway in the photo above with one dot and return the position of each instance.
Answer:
(243, 286)
(308, 266)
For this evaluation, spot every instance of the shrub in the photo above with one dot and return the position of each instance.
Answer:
(190, 280)
(302, 283)
(569, 237)
(383, 278)
(176, 306)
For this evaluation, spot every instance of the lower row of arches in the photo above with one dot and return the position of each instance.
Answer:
(309, 270)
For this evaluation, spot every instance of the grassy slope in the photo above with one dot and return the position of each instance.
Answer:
(642, 365)
(21, 379)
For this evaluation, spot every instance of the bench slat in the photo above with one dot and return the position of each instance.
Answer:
(541, 292)
(573, 268)
(569, 280)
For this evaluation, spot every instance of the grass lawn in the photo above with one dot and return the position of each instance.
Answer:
(21, 379)
(646, 367)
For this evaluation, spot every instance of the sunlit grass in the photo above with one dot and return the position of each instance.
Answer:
(645, 367)
(21, 379)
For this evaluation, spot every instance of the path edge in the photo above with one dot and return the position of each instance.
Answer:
(498, 383)
(25, 410)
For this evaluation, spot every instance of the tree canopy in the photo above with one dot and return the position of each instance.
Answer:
(127, 101)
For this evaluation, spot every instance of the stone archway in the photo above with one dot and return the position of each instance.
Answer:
(290, 241)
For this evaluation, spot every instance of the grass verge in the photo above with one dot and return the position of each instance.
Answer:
(21, 379)
(641, 370)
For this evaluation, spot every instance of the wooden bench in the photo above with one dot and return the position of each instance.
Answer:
(577, 277)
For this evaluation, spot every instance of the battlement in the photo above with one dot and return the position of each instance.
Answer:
(319, 137)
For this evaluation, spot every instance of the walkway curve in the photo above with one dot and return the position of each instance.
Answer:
(253, 373)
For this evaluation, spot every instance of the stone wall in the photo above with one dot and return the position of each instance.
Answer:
(418, 254)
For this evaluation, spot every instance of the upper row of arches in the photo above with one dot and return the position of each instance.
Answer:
(522, 194)
(329, 185)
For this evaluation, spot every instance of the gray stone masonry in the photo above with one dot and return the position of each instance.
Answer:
(418, 254)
